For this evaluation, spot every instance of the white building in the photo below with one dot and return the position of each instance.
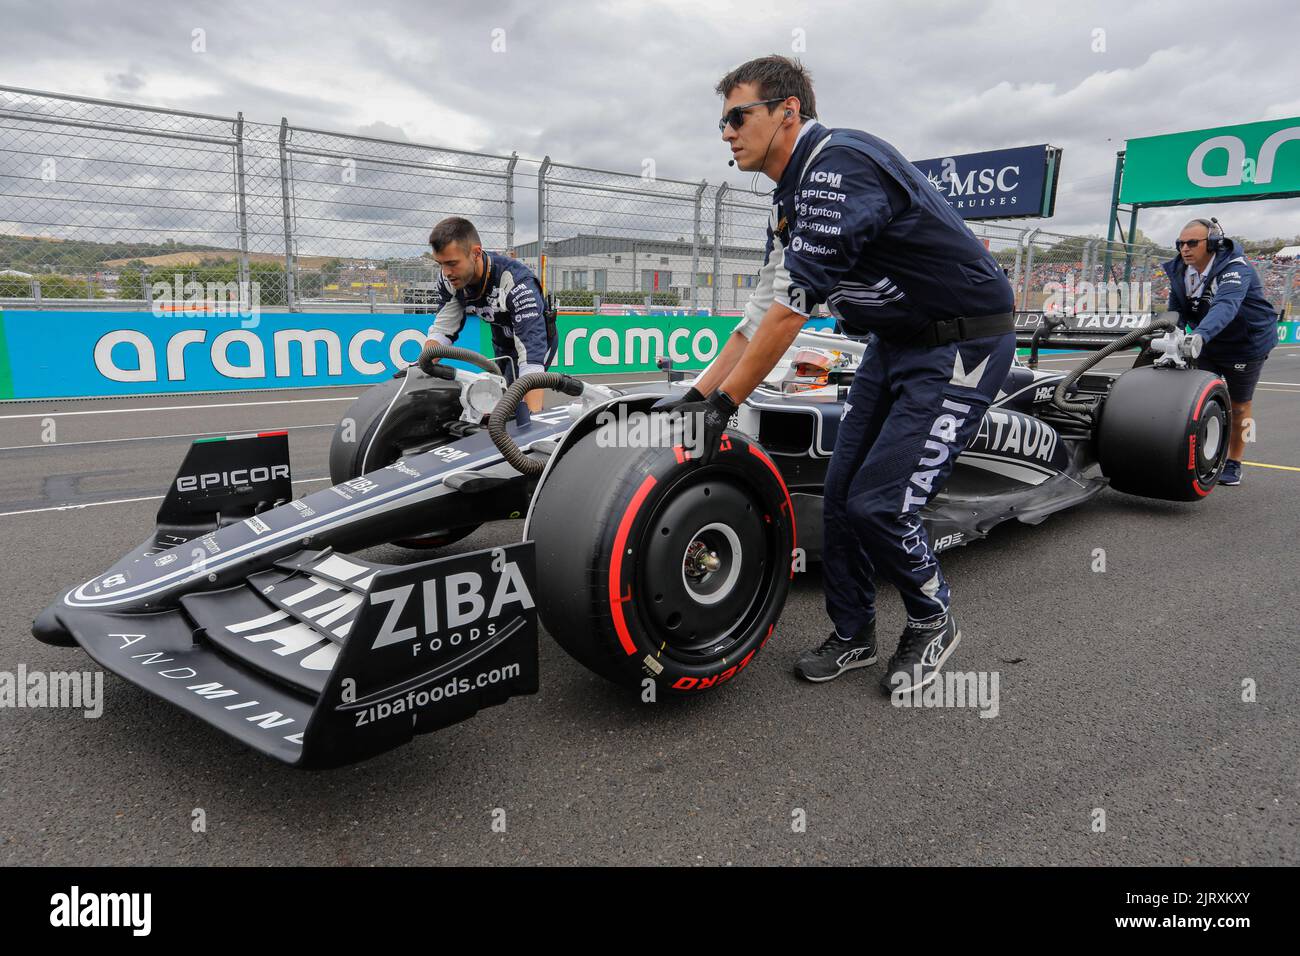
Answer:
(604, 264)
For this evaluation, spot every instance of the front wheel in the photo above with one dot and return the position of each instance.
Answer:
(1164, 433)
(651, 565)
(387, 418)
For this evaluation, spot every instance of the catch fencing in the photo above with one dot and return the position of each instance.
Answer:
(101, 200)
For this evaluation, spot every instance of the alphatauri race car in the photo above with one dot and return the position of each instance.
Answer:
(254, 611)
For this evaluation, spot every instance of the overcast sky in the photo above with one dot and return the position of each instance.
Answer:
(613, 84)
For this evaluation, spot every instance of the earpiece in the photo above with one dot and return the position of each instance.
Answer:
(789, 112)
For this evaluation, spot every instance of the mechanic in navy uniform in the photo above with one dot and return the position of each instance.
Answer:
(1217, 294)
(856, 226)
(502, 292)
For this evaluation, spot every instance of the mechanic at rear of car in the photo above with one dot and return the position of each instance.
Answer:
(856, 226)
(1217, 294)
(502, 292)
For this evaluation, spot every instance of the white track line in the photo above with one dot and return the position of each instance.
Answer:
(111, 441)
(181, 408)
(119, 501)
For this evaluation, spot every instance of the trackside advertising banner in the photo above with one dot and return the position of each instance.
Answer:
(999, 183)
(101, 354)
(50, 354)
(70, 354)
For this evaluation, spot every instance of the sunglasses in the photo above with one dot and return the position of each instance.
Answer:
(1189, 243)
(735, 117)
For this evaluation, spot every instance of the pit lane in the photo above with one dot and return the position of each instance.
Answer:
(1119, 690)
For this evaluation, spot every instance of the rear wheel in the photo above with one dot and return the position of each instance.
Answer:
(1164, 433)
(660, 568)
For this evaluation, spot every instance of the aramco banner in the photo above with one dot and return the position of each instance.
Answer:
(53, 354)
(1248, 161)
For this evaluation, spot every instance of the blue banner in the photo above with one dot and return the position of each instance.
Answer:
(72, 354)
(98, 354)
(998, 184)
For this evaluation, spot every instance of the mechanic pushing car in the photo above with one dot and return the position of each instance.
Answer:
(1217, 294)
(856, 226)
(502, 291)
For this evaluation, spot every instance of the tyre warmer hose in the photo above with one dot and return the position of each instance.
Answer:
(466, 355)
(1125, 341)
(505, 411)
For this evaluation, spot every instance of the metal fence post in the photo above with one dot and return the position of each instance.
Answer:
(1290, 288)
(1029, 269)
(286, 203)
(36, 291)
(541, 214)
(1020, 252)
(146, 287)
(717, 246)
(1114, 209)
(695, 243)
(510, 203)
(241, 212)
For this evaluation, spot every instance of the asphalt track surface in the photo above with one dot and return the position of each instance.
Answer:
(1119, 691)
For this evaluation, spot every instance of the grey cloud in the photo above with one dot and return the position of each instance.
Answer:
(610, 85)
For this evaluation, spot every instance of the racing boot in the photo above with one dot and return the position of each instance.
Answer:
(921, 652)
(835, 655)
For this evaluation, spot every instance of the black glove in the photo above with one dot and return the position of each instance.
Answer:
(427, 359)
(711, 417)
(668, 402)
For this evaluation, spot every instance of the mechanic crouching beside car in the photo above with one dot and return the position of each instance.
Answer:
(1217, 294)
(502, 292)
(856, 226)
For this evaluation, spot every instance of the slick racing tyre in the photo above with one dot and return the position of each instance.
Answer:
(651, 565)
(394, 415)
(1164, 433)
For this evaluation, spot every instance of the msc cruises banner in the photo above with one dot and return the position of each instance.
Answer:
(998, 184)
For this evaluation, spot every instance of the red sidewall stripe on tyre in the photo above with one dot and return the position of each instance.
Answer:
(1196, 417)
(616, 600)
(789, 506)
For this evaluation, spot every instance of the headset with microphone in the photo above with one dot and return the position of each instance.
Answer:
(1214, 237)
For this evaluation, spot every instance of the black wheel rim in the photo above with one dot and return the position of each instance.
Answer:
(704, 567)
(1211, 442)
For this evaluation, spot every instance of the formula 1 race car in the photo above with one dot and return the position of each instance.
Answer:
(253, 611)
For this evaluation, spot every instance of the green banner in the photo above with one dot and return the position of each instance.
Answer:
(6, 376)
(1288, 333)
(1249, 161)
(606, 344)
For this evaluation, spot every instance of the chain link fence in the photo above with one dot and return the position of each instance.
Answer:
(618, 238)
(740, 225)
(100, 201)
